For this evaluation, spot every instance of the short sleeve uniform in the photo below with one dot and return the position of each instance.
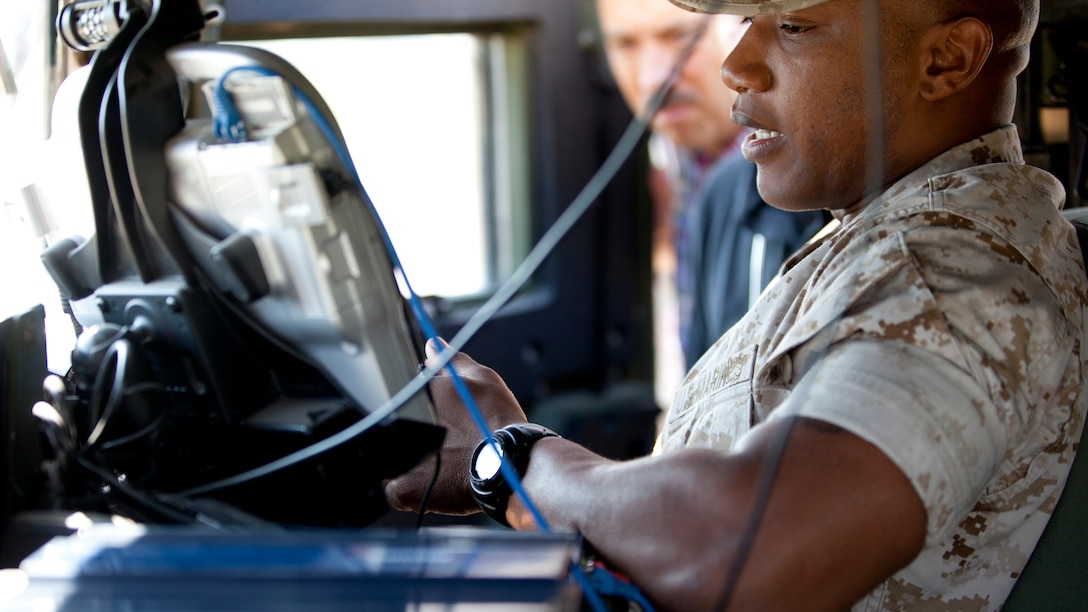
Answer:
(943, 324)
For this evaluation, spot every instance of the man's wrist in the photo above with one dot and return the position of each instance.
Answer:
(488, 481)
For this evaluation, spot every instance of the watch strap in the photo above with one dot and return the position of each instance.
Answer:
(515, 441)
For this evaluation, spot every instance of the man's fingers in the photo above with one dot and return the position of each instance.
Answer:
(434, 347)
(460, 361)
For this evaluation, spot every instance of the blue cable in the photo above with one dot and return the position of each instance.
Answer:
(606, 582)
(227, 124)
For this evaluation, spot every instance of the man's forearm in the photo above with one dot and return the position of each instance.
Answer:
(673, 536)
(674, 523)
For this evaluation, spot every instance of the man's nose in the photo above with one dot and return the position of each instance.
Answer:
(743, 69)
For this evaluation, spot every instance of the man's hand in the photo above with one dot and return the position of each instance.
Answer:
(451, 494)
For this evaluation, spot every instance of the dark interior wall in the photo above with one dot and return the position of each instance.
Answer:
(1055, 80)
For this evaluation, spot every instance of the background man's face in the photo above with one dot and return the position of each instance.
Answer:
(644, 38)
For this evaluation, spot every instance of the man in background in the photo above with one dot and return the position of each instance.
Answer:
(716, 244)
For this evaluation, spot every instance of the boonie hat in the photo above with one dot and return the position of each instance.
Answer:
(746, 8)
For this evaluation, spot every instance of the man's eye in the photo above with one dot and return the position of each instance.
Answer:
(790, 28)
(620, 44)
(683, 35)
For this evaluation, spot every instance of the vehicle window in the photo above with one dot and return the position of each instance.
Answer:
(425, 118)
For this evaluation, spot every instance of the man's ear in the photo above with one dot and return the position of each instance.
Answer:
(956, 51)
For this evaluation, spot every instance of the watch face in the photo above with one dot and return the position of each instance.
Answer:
(488, 461)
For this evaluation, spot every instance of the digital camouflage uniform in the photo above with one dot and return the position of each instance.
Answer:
(943, 324)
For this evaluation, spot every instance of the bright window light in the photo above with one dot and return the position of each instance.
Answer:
(411, 110)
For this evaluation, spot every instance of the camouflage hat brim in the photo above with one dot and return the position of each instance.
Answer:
(747, 8)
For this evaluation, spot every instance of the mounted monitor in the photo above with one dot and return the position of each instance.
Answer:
(239, 298)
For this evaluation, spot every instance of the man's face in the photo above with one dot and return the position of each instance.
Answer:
(643, 39)
(805, 87)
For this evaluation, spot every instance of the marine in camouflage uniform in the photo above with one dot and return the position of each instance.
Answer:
(943, 324)
(924, 358)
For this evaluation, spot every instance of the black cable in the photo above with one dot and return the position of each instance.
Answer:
(875, 172)
(133, 493)
(115, 358)
(143, 431)
(427, 492)
(768, 471)
(874, 184)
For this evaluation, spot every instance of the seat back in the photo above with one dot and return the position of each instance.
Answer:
(1056, 575)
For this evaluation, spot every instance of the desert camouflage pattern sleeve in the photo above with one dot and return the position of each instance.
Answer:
(963, 363)
(944, 325)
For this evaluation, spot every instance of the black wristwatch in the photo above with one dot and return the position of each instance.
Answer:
(489, 486)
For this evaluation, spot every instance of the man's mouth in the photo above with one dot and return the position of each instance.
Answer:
(762, 143)
(766, 134)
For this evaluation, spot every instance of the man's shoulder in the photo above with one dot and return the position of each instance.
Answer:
(1014, 202)
(1010, 198)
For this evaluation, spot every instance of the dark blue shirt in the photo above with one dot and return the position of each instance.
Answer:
(737, 243)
